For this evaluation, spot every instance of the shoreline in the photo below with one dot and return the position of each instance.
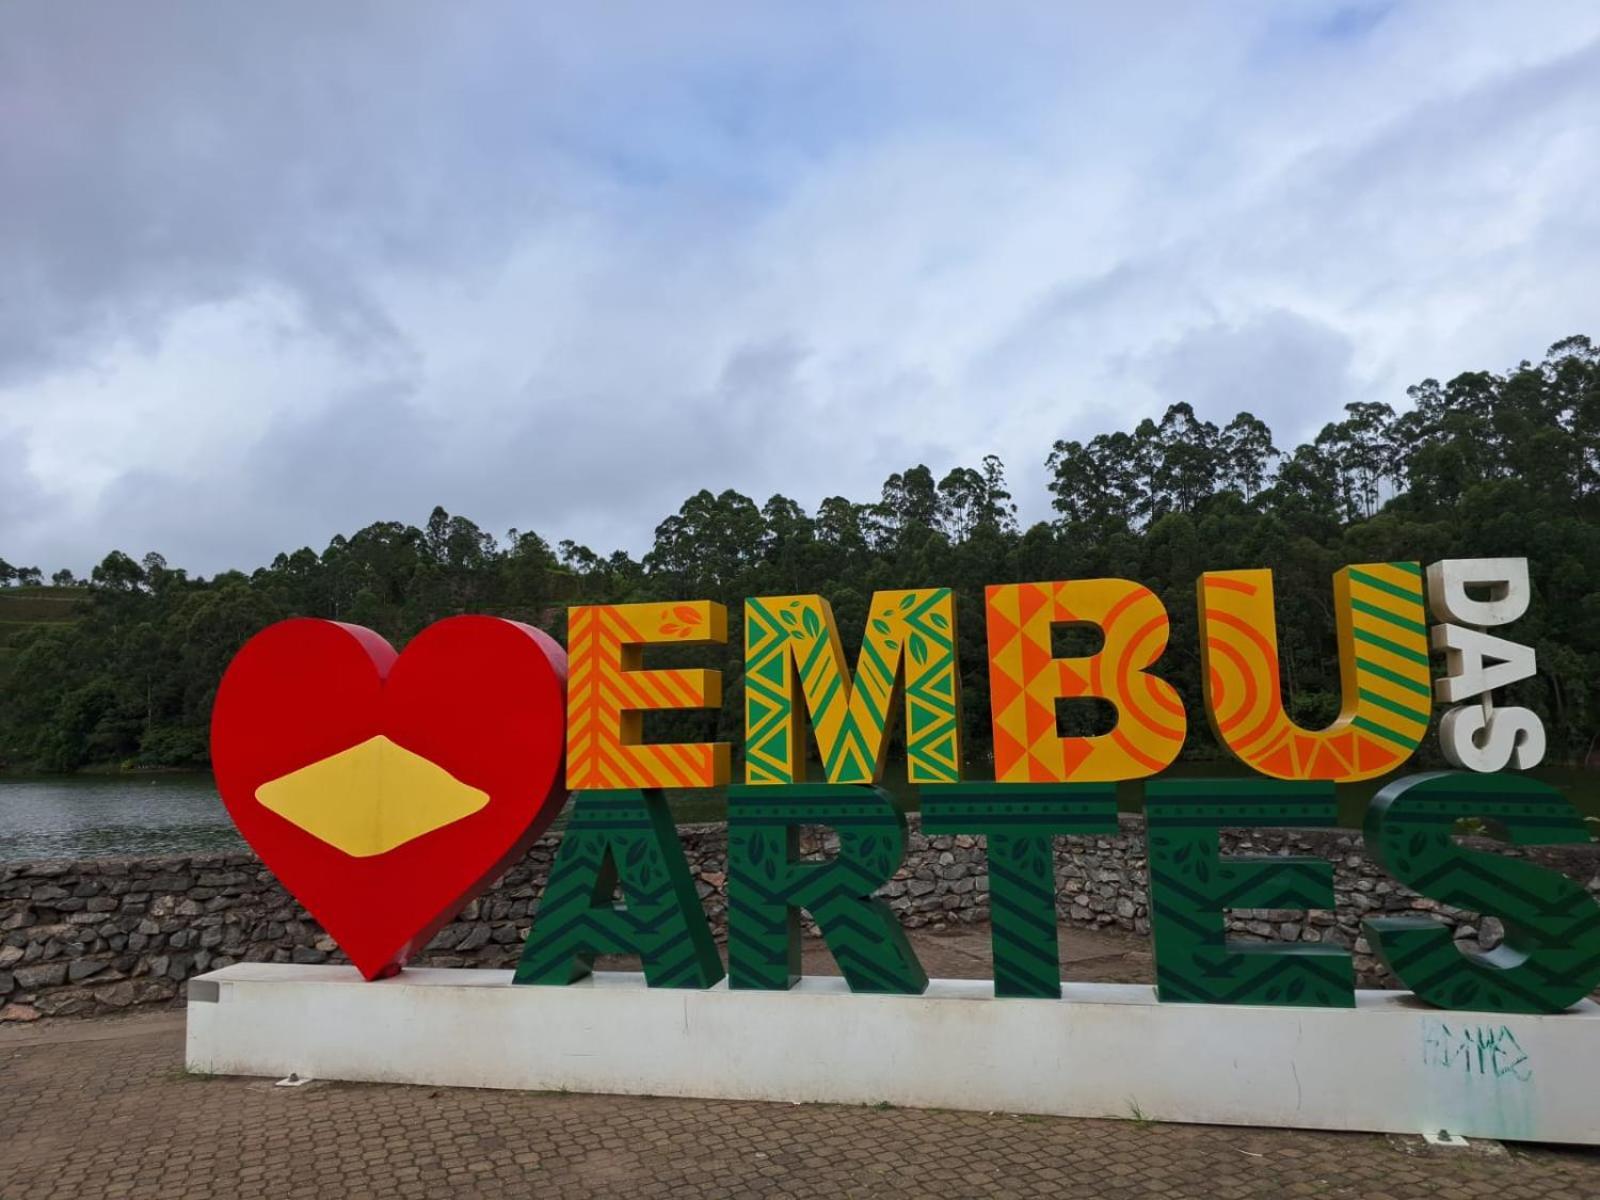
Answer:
(99, 771)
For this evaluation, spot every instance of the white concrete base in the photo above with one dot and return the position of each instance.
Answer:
(1104, 1050)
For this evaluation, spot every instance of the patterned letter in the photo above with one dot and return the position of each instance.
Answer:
(908, 633)
(1192, 886)
(626, 838)
(607, 693)
(767, 885)
(1551, 956)
(1025, 681)
(1383, 665)
(1021, 825)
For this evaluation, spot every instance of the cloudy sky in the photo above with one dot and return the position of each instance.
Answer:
(269, 272)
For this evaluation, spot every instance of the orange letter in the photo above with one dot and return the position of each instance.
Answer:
(1025, 681)
(608, 691)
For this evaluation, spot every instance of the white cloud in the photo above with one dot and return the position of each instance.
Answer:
(273, 272)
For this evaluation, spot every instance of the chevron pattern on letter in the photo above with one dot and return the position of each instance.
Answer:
(1551, 955)
(1020, 824)
(1026, 680)
(792, 644)
(626, 838)
(1383, 665)
(766, 885)
(1192, 886)
(608, 691)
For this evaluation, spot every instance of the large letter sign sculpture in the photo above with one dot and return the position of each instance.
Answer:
(1192, 884)
(1026, 680)
(386, 790)
(792, 649)
(1550, 958)
(1481, 736)
(626, 839)
(1021, 825)
(1383, 665)
(610, 691)
(768, 885)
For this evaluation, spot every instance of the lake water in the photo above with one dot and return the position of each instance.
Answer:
(103, 816)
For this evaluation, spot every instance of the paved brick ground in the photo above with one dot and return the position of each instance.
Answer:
(103, 1109)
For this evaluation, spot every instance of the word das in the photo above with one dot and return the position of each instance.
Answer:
(1481, 737)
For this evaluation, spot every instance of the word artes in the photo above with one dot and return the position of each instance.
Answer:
(387, 789)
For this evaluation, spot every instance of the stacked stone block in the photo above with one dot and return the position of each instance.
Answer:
(106, 935)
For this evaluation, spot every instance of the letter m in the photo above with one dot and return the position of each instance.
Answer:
(792, 652)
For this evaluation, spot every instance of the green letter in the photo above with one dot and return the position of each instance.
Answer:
(1021, 823)
(1551, 956)
(1192, 886)
(625, 837)
(767, 885)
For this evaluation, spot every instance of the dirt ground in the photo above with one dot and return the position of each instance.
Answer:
(962, 952)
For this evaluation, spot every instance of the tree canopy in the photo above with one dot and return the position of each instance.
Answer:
(1484, 465)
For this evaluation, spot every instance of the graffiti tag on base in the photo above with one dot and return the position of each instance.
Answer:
(1488, 1050)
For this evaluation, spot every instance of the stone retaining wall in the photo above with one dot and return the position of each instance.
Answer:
(104, 935)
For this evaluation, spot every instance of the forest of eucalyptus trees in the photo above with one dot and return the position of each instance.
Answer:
(1486, 464)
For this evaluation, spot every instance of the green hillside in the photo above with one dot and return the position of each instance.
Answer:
(1486, 465)
(26, 608)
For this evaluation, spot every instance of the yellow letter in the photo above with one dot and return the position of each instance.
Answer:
(1383, 669)
(607, 693)
(910, 634)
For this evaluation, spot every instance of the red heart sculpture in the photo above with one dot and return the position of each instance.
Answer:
(386, 790)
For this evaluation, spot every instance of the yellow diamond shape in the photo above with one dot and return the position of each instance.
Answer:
(371, 798)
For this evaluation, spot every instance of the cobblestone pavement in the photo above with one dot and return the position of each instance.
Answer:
(103, 1109)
